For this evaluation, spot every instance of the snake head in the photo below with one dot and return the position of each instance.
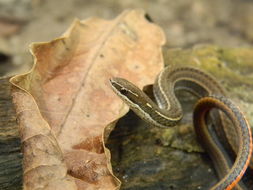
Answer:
(126, 90)
(138, 101)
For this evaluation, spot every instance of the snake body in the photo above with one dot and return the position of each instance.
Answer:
(167, 112)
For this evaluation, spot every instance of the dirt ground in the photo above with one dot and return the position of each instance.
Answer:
(185, 22)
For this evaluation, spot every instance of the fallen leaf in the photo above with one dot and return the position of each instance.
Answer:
(65, 102)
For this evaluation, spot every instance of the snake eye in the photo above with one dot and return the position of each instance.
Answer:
(123, 91)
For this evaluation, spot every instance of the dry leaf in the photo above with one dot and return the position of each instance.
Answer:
(65, 102)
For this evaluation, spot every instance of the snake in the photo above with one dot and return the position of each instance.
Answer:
(166, 111)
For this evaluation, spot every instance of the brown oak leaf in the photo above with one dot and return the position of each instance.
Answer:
(65, 106)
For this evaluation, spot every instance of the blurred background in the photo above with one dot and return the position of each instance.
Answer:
(185, 22)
